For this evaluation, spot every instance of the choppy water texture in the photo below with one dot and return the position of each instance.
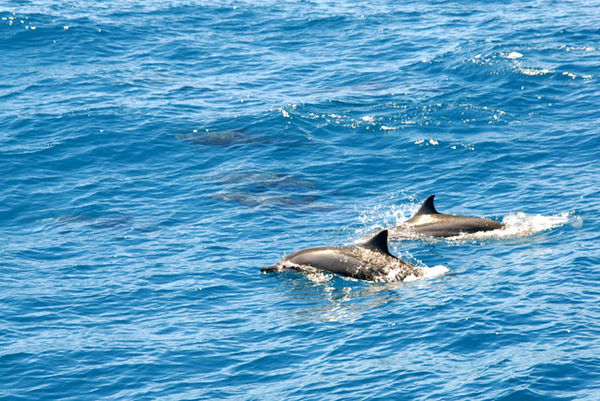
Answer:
(156, 154)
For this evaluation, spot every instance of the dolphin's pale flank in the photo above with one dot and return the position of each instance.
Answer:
(428, 221)
(371, 261)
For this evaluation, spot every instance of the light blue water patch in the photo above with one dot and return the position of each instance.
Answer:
(156, 155)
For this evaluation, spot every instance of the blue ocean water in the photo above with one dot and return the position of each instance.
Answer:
(157, 154)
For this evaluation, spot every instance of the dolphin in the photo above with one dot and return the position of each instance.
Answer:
(428, 221)
(370, 261)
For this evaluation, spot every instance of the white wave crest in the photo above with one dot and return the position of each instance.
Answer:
(429, 273)
(520, 224)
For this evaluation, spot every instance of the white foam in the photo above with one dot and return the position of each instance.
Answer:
(525, 224)
(535, 71)
(520, 225)
(435, 271)
(318, 276)
(428, 273)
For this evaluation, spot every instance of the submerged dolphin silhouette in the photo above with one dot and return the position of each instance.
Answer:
(371, 261)
(429, 221)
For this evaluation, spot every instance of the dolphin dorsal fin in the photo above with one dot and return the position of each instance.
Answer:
(427, 207)
(378, 243)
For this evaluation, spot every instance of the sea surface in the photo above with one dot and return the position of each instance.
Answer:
(155, 155)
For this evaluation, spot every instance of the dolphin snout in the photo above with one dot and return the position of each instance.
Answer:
(269, 269)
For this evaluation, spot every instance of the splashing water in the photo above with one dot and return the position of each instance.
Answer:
(519, 224)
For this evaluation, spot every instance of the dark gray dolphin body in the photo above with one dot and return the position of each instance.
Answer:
(428, 221)
(371, 261)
